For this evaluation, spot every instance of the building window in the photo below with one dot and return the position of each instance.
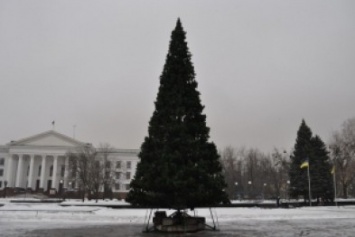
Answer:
(127, 187)
(108, 164)
(118, 164)
(128, 164)
(2, 161)
(39, 170)
(118, 175)
(1, 172)
(107, 174)
(0, 184)
(128, 175)
(62, 171)
(117, 186)
(51, 171)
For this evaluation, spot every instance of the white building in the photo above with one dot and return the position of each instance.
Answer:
(39, 162)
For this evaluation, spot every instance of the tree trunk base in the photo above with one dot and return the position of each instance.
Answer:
(178, 222)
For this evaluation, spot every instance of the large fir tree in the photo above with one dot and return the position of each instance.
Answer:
(312, 149)
(179, 168)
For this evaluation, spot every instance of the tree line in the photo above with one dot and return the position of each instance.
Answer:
(250, 173)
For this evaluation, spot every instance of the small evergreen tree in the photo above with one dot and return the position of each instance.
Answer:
(302, 151)
(320, 171)
(314, 150)
(179, 168)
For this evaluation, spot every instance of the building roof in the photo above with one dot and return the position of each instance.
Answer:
(48, 138)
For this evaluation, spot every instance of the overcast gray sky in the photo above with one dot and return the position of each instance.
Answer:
(261, 66)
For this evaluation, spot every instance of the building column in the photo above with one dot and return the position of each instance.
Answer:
(43, 171)
(19, 173)
(10, 172)
(66, 172)
(54, 174)
(30, 175)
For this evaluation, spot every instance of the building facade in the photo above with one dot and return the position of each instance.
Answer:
(40, 163)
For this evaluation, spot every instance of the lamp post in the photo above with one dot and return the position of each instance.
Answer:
(264, 185)
(61, 189)
(236, 190)
(5, 183)
(287, 190)
(70, 190)
(249, 184)
(26, 190)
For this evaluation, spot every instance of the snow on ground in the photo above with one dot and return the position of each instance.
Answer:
(18, 218)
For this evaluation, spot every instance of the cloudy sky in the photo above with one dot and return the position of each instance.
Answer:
(261, 66)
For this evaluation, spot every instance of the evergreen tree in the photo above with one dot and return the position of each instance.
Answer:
(320, 171)
(314, 150)
(302, 151)
(179, 168)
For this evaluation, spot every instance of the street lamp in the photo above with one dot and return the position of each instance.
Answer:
(236, 190)
(287, 191)
(264, 190)
(5, 183)
(70, 188)
(26, 190)
(249, 183)
(61, 188)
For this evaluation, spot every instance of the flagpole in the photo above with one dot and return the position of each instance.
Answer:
(309, 186)
(335, 189)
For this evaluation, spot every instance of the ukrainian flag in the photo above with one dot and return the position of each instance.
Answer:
(333, 170)
(305, 164)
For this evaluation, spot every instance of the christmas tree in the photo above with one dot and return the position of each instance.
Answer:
(179, 168)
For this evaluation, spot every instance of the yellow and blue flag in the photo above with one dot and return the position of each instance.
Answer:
(305, 164)
(333, 170)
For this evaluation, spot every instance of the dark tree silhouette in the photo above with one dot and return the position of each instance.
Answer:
(302, 151)
(179, 168)
(314, 150)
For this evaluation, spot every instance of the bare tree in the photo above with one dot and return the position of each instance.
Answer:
(92, 170)
(83, 167)
(229, 160)
(96, 178)
(252, 165)
(107, 168)
(342, 149)
(279, 174)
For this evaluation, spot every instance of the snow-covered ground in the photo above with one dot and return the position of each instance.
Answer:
(18, 219)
